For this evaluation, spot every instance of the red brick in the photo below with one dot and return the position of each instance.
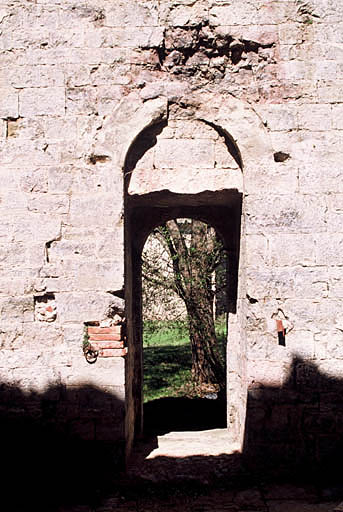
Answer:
(279, 326)
(114, 352)
(105, 337)
(115, 329)
(99, 345)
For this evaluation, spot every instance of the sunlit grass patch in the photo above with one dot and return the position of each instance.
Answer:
(168, 359)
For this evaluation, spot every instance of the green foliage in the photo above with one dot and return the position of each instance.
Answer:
(161, 332)
(168, 360)
(85, 340)
(221, 334)
(180, 257)
(186, 260)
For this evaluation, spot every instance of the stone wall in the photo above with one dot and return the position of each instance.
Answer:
(79, 83)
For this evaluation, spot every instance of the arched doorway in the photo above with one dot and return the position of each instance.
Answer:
(213, 192)
(186, 181)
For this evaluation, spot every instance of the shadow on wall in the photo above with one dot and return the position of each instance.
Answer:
(46, 458)
(298, 427)
(292, 432)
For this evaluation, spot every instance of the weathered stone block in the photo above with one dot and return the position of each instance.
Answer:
(36, 76)
(334, 213)
(11, 337)
(301, 343)
(178, 152)
(329, 250)
(44, 228)
(105, 372)
(84, 210)
(242, 14)
(256, 251)
(189, 130)
(46, 101)
(335, 279)
(330, 92)
(85, 307)
(18, 308)
(270, 373)
(295, 70)
(131, 14)
(291, 33)
(279, 117)
(109, 244)
(3, 129)
(306, 314)
(326, 70)
(291, 250)
(8, 102)
(322, 179)
(280, 179)
(46, 203)
(12, 254)
(184, 15)
(60, 250)
(314, 117)
(24, 128)
(286, 213)
(40, 335)
(337, 113)
(92, 100)
(222, 158)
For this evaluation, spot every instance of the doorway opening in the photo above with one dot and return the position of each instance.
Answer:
(220, 210)
(181, 167)
(184, 306)
(189, 155)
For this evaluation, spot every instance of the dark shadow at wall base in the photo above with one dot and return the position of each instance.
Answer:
(50, 457)
(294, 433)
(297, 429)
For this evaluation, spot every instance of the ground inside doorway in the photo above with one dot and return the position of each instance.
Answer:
(190, 455)
(199, 471)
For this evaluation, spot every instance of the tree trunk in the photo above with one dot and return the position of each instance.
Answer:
(195, 252)
(207, 366)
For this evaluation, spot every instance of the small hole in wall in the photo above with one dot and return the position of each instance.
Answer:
(282, 338)
(281, 333)
(251, 299)
(280, 156)
(93, 159)
(45, 307)
(47, 247)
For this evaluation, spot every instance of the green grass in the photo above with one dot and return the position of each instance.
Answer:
(159, 333)
(168, 360)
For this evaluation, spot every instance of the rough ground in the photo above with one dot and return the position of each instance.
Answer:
(187, 471)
